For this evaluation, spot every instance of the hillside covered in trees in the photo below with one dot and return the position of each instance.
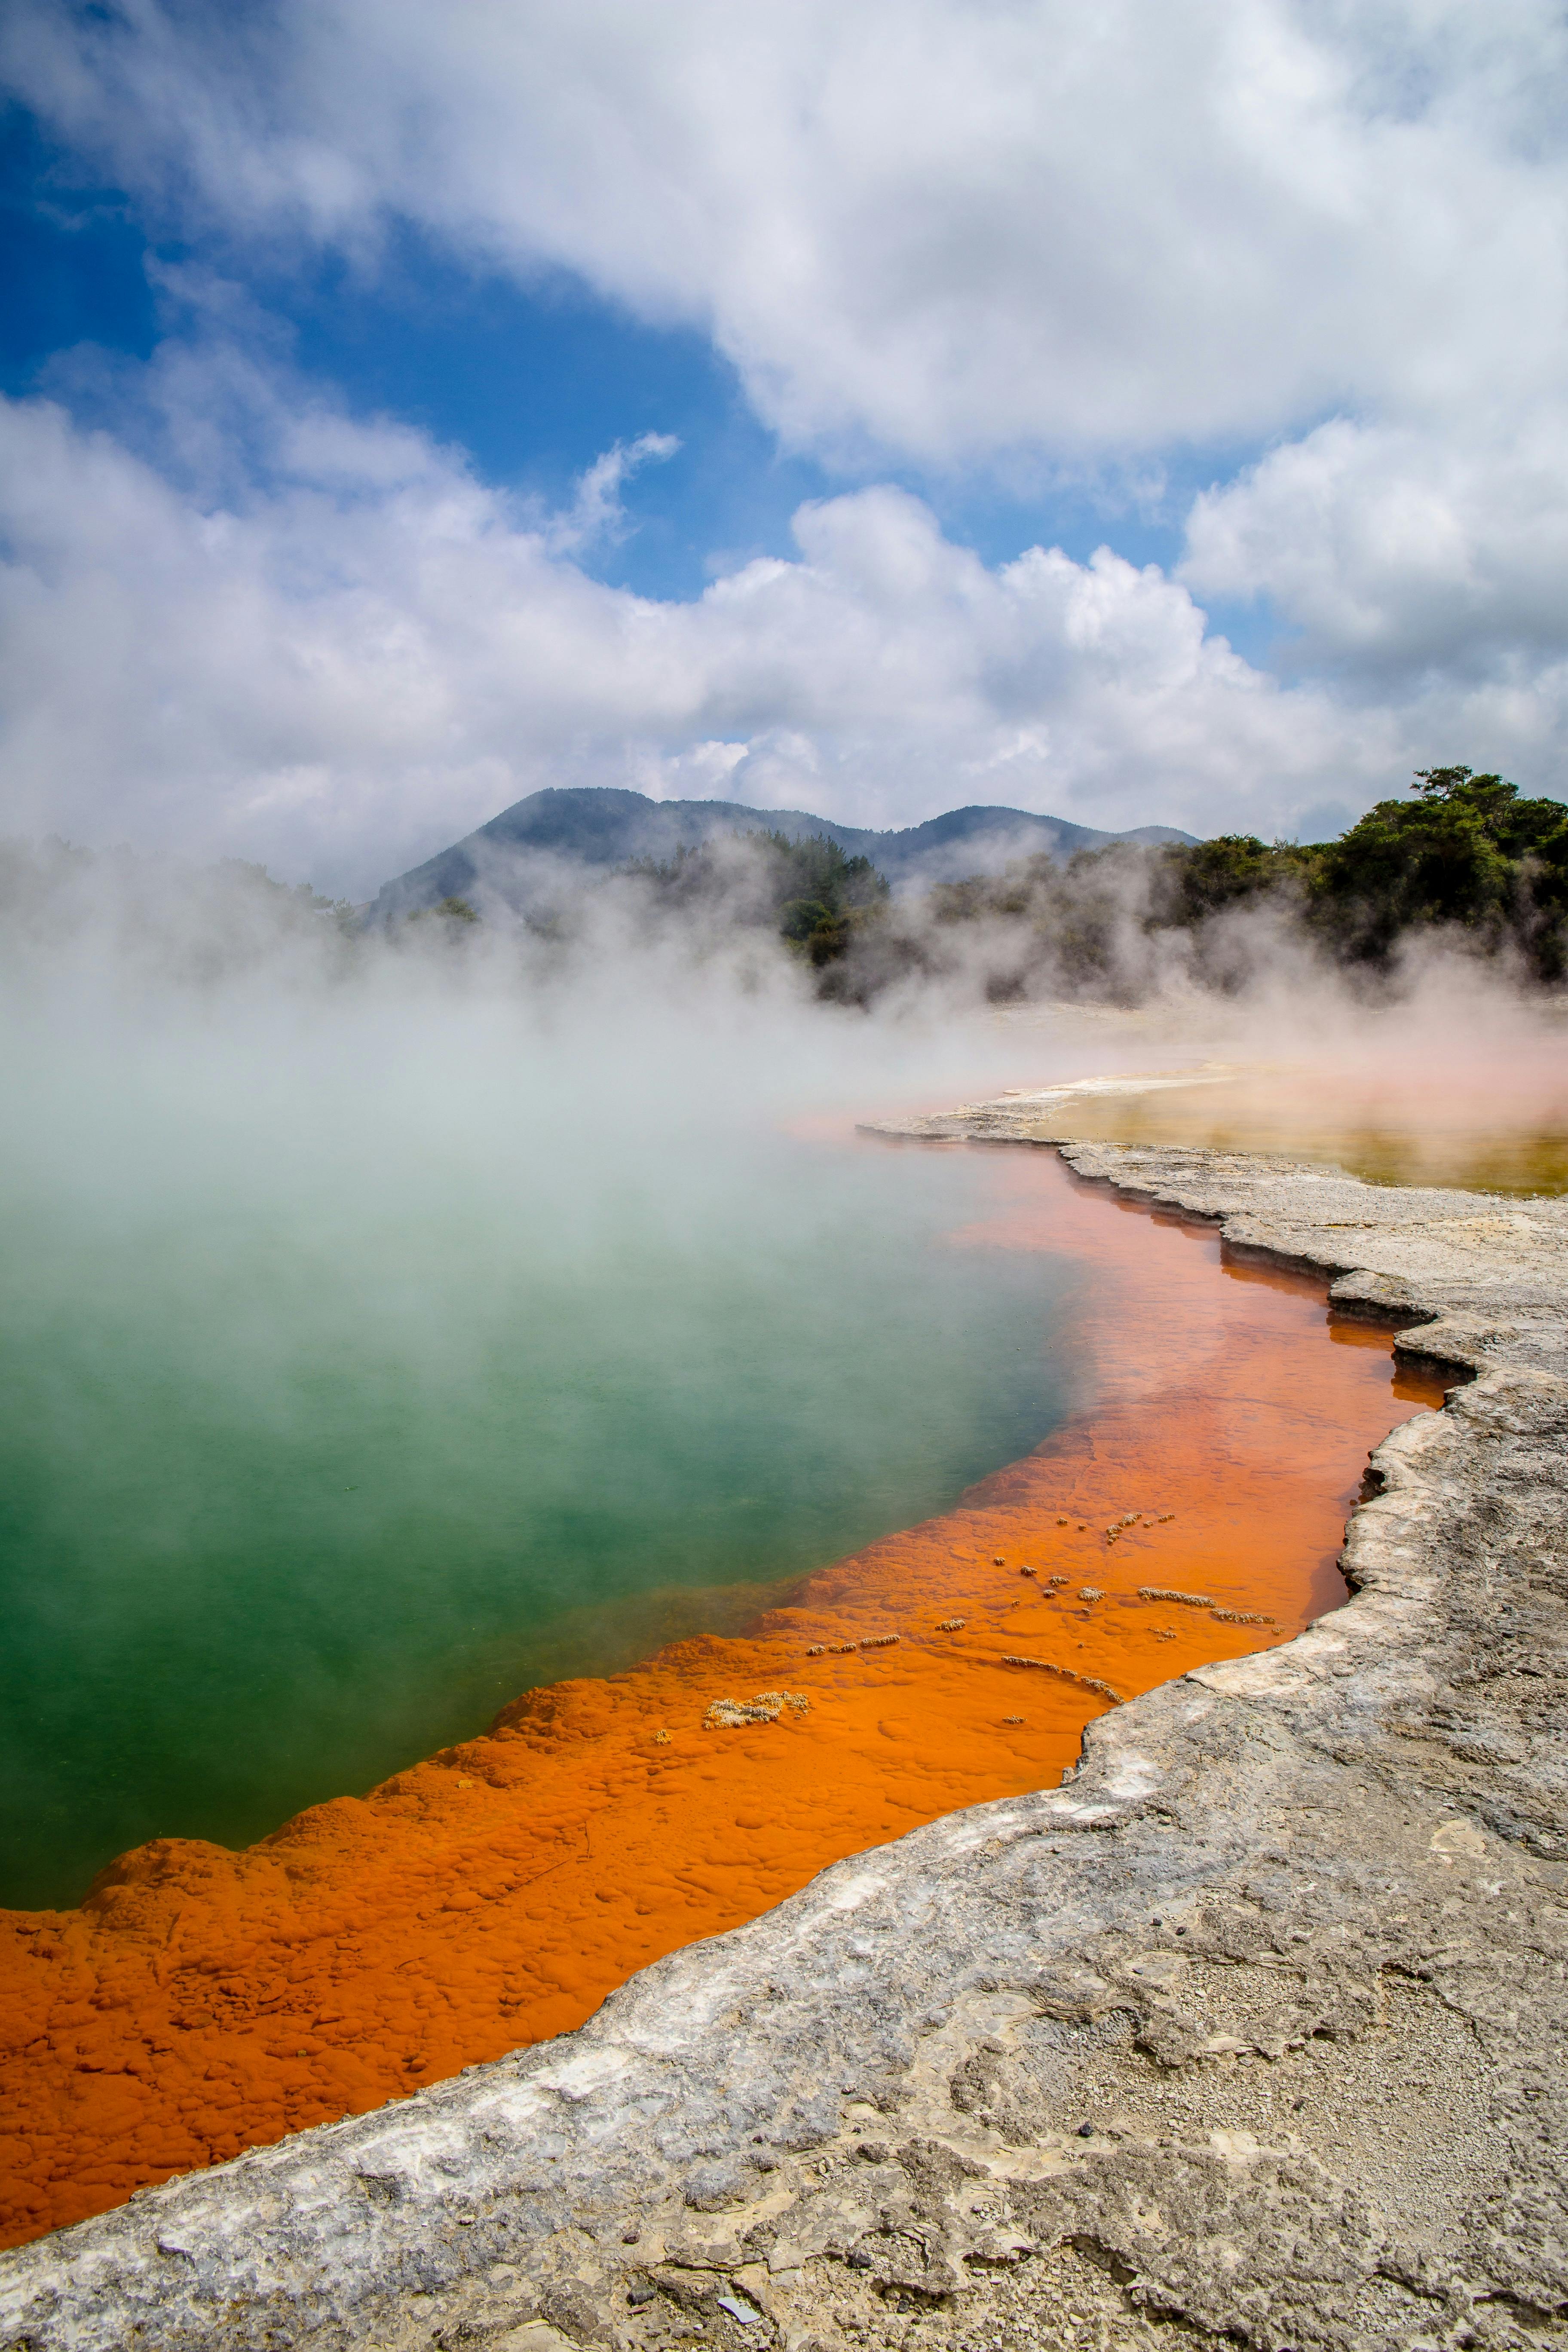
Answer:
(817, 897)
(1465, 858)
(1465, 861)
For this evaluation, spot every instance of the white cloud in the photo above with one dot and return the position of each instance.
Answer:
(596, 517)
(1010, 232)
(1396, 550)
(362, 652)
(948, 227)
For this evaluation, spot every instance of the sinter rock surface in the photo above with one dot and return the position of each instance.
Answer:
(1255, 2029)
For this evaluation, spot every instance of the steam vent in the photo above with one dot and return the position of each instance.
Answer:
(1066, 1920)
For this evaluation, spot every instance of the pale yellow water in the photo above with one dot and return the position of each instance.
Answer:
(1505, 1131)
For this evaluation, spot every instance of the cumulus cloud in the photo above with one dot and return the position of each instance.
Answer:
(957, 232)
(1395, 548)
(946, 227)
(358, 651)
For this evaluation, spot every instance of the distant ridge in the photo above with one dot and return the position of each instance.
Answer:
(598, 825)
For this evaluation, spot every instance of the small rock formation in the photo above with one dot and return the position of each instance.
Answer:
(733, 1714)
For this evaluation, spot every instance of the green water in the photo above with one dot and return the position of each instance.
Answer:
(313, 1452)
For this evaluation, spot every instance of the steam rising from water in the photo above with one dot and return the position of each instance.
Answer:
(383, 1334)
(389, 1324)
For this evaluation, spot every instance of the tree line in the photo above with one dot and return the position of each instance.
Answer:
(1464, 857)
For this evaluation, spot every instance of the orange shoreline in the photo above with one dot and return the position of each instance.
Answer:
(202, 2002)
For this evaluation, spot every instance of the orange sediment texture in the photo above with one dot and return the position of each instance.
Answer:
(202, 2002)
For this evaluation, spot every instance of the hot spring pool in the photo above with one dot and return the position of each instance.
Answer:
(303, 1479)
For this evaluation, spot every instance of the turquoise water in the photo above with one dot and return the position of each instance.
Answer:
(318, 1442)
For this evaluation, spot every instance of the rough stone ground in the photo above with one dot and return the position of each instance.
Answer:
(1253, 2030)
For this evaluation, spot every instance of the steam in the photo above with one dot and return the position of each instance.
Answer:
(357, 1279)
(389, 1323)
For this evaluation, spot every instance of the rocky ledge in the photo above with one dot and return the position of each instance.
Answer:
(1253, 2030)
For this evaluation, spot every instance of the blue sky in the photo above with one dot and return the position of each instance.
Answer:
(532, 383)
(320, 335)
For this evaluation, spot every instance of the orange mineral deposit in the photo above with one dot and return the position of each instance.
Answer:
(201, 2002)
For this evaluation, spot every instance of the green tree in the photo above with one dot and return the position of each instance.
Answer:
(1470, 850)
(812, 892)
(452, 914)
(1199, 878)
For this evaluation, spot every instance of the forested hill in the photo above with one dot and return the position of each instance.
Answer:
(1463, 861)
(1467, 858)
(597, 826)
(1464, 857)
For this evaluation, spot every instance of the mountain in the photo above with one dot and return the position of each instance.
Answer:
(513, 855)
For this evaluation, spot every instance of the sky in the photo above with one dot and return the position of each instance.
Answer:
(1134, 414)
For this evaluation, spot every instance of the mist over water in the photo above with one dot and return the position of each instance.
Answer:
(373, 1351)
(388, 1325)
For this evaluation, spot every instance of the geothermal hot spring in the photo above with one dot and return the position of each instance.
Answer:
(466, 1467)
